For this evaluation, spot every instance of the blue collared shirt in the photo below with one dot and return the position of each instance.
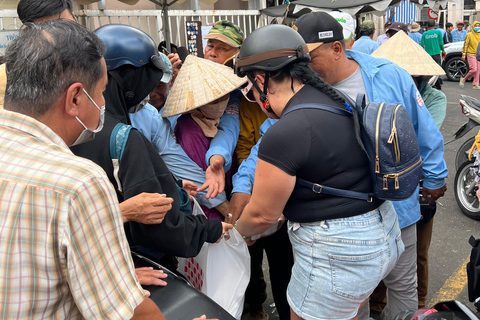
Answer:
(365, 44)
(457, 37)
(386, 82)
(416, 36)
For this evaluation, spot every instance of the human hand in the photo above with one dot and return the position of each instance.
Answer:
(175, 60)
(146, 208)
(214, 179)
(237, 203)
(190, 187)
(463, 57)
(225, 228)
(433, 195)
(148, 276)
(176, 64)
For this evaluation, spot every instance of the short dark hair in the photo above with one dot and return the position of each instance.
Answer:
(448, 25)
(31, 10)
(366, 31)
(45, 59)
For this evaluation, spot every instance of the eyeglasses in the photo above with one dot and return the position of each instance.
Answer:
(248, 92)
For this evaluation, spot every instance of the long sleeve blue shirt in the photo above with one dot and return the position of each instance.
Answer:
(386, 82)
(457, 37)
(365, 44)
(243, 179)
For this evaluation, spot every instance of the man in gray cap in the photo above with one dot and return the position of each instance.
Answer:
(354, 72)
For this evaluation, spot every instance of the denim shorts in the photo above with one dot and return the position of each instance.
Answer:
(339, 262)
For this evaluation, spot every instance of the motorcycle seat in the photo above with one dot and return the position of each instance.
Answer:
(179, 299)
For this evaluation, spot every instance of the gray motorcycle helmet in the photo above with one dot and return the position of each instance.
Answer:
(270, 48)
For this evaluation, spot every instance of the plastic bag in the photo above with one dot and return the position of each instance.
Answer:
(221, 270)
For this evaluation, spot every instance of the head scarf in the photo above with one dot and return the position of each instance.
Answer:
(208, 116)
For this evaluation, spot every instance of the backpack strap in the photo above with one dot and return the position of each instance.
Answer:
(118, 140)
(318, 188)
(332, 109)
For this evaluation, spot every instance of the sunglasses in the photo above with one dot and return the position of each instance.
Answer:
(248, 92)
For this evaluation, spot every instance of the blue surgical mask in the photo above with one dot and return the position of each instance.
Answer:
(89, 134)
(476, 29)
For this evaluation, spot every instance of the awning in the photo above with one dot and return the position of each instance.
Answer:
(352, 7)
(87, 2)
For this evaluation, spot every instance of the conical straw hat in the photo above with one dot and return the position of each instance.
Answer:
(198, 83)
(405, 52)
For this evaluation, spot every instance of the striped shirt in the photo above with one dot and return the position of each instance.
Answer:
(63, 250)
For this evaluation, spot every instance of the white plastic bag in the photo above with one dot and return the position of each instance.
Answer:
(221, 270)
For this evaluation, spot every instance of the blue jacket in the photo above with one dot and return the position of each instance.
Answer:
(159, 131)
(386, 82)
(243, 179)
(459, 37)
(365, 45)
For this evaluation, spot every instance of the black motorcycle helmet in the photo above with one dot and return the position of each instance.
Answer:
(269, 48)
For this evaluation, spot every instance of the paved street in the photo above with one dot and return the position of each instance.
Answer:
(449, 249)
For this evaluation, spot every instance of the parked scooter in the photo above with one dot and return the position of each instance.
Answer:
(470, 108)
(465, 186)
(465, 189)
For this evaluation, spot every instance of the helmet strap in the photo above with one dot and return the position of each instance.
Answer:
(263, 94)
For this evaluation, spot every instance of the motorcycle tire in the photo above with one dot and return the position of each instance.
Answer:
(462, 153)
(468, 203)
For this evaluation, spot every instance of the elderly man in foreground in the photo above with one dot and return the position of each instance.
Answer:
(63, 248)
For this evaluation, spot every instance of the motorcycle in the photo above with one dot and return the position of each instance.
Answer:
(465, 186)
(470, 108)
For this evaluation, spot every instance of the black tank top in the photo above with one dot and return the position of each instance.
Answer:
(318, 146)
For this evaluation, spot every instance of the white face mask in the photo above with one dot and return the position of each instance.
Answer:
(89, 134)
(139, 106)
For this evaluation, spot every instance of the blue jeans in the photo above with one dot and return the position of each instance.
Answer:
(339, 262)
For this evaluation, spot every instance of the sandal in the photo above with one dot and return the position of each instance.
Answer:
(477, 87)
(462, 82)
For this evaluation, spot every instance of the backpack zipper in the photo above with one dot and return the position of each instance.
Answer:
(395, 176)
(377, 158)
(394, 136)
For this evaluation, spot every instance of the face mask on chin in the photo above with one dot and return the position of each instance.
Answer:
(139, 106)
(89, 134)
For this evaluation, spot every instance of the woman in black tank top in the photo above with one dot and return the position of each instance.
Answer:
(343, 247)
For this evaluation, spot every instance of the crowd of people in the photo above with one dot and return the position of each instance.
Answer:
(225, 131)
